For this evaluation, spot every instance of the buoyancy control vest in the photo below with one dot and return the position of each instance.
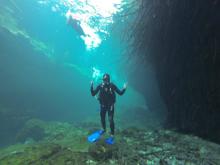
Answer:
(107, 94)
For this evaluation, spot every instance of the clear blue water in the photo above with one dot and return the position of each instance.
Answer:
(48, 60)
(61, 57)
(47, 22)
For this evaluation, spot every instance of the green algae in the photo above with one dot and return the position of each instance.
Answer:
(65, 143)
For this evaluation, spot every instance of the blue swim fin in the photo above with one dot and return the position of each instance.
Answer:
(95, 136)
(110, 140)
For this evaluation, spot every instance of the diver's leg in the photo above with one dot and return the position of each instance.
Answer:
(102, 115)
(111, 119)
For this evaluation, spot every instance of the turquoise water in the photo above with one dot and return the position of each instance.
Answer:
(48, 60)
(45, 25)
(50, 51)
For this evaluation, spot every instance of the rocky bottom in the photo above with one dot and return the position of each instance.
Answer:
(65, 144)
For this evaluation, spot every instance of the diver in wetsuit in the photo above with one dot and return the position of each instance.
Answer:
(107, 100)
(75, 24)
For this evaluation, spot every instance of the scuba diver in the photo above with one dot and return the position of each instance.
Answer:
(75, 24)
(107, 99)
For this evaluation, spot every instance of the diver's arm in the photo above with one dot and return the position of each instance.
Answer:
(94, 92)
(118, 91)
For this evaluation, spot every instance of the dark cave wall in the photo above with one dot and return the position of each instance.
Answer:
(181, 39)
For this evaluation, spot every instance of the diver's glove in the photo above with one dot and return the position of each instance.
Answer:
(91, 87)
(125, 86)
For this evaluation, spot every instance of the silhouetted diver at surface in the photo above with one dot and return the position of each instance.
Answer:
(75, 24)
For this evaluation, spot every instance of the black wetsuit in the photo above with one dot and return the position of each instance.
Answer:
(107, 100)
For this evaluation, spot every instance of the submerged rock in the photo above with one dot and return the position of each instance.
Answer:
(132, 146)
(33, 129)
(102, 151)
(44, 153)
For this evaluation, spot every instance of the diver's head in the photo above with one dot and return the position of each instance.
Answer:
(106, 78)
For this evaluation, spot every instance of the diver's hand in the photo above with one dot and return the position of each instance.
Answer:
(92, 83)
(125, 85)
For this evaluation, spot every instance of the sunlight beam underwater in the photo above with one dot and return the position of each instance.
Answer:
(89, 18)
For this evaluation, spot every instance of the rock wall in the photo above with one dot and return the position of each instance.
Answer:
(182, 40)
